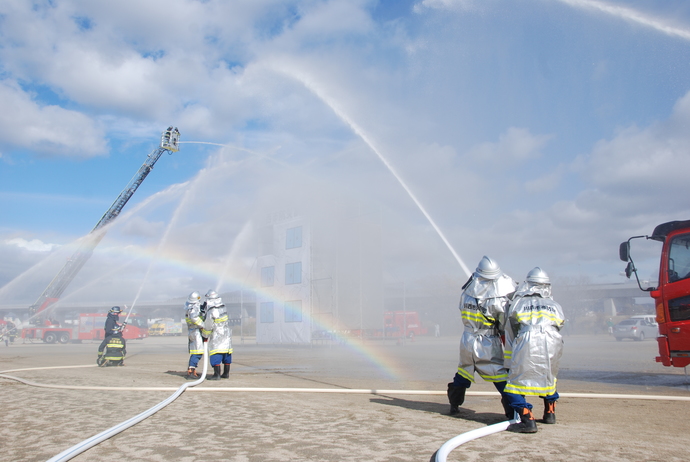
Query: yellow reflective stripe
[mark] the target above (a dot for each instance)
(206, 332)
(507, 354)
(477, 317)
(465, 374)
(494, 378)
(534, 391)
(196, 352)
(216, 352)
(538, 315)
(221, 319)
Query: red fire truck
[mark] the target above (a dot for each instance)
(672, 296)
(403, 323)
(89, 326)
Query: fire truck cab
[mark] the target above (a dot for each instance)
(672, 296)
(89, 326)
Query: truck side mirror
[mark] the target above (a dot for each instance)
(624, 251)
(629, 269)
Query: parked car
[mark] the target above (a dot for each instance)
(635, 328)
(651, 318)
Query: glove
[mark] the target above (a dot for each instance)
(205, 339)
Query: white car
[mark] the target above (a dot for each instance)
(650, 318)
(635, 328)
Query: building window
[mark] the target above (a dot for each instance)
(293, 238)
(293, 273)
(267, 275)
(266, 312)
(293, 311)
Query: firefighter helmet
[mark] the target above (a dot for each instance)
(539, 276)
(116, 310)
(211, 294)
(488, 269)
(194, 297)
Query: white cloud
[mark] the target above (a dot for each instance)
(34, 245)
(48, 129)
(545, 183)
(643, 168)
(516, 144)
(443, 5)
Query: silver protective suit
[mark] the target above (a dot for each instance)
(482, 307)
(216, 328)
(533, 340)
(194, 326)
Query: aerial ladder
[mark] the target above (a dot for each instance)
(169, 143)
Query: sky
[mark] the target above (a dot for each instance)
(538, 132)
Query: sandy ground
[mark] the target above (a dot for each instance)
(38, 423)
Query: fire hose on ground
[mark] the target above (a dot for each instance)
(439, 456)
(96, 439)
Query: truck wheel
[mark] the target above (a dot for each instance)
(641, 336)
(64, 337)
(50, 337)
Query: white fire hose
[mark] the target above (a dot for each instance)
(453, 443)
(440, 455)
(94, 440)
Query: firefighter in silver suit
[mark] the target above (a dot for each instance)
(482, 307)
(195, 324)
(533, 349)
(219, 334)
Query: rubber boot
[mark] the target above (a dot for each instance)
(507, 408)
(216, 373)
(456, 396)
(191, 373)
(527, 423)
(100, 360)
(226, 371)
(549, 412)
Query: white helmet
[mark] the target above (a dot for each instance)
(211, 294)
(538, 275)
(488, 269)
(194, 297)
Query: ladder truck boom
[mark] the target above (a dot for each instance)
(169, 143)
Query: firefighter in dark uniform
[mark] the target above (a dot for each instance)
(112, 329)
(115, 351)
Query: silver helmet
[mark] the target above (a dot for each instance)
(488, 269)
(538, 276)
(211, 294)
(193, 297)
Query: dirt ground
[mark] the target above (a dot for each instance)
(39, 423)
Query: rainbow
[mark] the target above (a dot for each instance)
(175, 257)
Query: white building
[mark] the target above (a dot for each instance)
(317, 275)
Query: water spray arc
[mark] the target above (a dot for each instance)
(631, 15)
(312, 87)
